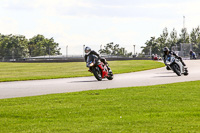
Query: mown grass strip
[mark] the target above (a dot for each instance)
(160, 108)
(35, 71)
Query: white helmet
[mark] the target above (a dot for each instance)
(87, 50)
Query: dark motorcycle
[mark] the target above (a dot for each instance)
(98, 68)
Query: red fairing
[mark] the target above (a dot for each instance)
(103, 70)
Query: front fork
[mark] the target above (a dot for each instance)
(90, 70)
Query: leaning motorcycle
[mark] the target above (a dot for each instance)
(98, 68)
(176, 65)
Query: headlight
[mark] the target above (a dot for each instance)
(91, 64)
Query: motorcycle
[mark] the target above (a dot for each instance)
(176, 65)
(98, 68)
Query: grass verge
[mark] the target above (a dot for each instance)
(35, 71)
(160, 108)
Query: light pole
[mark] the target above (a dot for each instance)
(134, 49)
(100, 49)
(123, 51)
(66, 51)
(184, 28)
(13, 56)
(83, 50)
(49, 51)
(150, 51)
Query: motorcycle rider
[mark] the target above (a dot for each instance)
(192, 55)
(167, 56)
(88, 52)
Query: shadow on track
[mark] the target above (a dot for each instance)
(168, 72)
(88, 81)
(84, 81)
(166, 76)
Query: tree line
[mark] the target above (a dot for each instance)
(18, 46)
(115, 50)
(172, 39)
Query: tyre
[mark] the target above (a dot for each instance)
(110, 76)
(176, 69)
(97, 73)
(186, 72)
(168, 68)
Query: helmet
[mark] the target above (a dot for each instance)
(87, 50)
(165, 50)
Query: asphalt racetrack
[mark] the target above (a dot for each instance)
(143, 78)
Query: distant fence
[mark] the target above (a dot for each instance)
(71, 58)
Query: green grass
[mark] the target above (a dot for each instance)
(34, 71)
(161, 109)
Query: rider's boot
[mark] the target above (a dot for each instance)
(185, 71)
(109, 70)
(185, 68)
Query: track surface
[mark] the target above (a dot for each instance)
(143, 78)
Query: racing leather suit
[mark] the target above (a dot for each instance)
(168, 57)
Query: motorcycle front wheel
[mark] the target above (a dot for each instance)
(97, 73)
(176, 69)
(110, 76)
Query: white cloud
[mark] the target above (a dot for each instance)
(96, 22)
(8, 25)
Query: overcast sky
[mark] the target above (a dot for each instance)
(94, 22)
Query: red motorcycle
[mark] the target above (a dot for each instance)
(98, 68)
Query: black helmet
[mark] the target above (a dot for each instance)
(166, 50)
(87, 50)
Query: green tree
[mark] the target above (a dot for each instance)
(13, 46)
(150, 46)
(39, 45)
(173, 38)
(111, 49)
(162, 40)
(165, 40)
(195, 39)
(17, 46)
(156, 45)
(184, 36)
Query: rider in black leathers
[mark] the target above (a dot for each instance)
(88, 52)
(167, 56)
